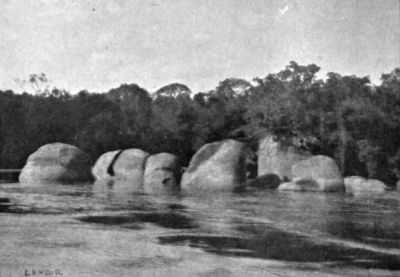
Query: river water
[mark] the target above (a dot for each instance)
(91, 230)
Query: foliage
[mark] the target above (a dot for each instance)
(354, 121)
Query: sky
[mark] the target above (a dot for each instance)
(98, 45)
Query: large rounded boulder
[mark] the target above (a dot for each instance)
(354, 184)
(57, 163)
(320, 170)
(103, 168)
(278, 156)
(126, 164)
(218, 166)
(162, 171)
(130, 164)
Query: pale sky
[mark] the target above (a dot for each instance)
(97, 45)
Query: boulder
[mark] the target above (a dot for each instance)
(218, 166)
(162, 170)
(56, 163)
(103, 168)
(267, 181)
(278, 157)
(358, 184)
(321, 169)
(130, 164)
(122, 165)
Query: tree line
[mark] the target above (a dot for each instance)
(348, 118)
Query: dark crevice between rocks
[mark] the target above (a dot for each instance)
(144, 164)
(110, 169)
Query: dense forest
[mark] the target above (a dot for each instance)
(352, 120)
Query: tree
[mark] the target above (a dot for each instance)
(38, 83)
(135, 105)
(173, 90)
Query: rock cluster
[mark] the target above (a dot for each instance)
(321, 171)
(218, 166)
(276, 157)
(287, 165)
(139, 168)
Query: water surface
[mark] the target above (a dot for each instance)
(87, 230)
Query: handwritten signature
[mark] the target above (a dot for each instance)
(35, 272)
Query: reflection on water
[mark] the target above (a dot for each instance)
(4, 204)
(124, 230)
(278, 245)
(169, 219)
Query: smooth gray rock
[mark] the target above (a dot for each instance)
(321, 169)
(130, 164)
(275, 157)
(124, 167)
(162, 171)
(360, 184)
(218, 166)
(102, 169)
(57, 163)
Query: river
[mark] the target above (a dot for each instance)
(90, 230)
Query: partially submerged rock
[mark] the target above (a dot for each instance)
(217, 166)
(123, 165)
(321, 169)
(359, 184)
(103, 168)
(130, 164)
(162, 171)
(278, 157)
(300, 185)
(57, 163)
(267, 181)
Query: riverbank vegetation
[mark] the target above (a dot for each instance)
(354, 121)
